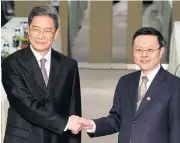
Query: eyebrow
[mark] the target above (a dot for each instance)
(151, 46)
(34, 26)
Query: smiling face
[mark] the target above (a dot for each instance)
(147, 52)
(42, 33)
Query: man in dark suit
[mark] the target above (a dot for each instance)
(42, 87)
(146, 105)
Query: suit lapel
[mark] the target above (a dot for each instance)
(35, 72)
(33, 67)
(155, 85)
(134, 92)
(54, 71)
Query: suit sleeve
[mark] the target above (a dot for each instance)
(112, 121)
(174, 115)
(75, 103)
(20, 99)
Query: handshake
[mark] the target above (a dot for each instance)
(76, 124)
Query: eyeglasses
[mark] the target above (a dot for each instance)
(46, 32)
(148, 51)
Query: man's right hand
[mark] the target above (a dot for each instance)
(74, 124)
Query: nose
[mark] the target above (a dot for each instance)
(41, 35)
(144, 53)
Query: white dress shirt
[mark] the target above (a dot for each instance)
(150, 77)
(38, 57)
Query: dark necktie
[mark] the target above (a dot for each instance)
(43, 70)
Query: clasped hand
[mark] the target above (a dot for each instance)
(77, 123)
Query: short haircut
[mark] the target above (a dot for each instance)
(149, 31)
(46, 10)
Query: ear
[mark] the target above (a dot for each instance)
(161, 51)
(28, 29)
(56, 34)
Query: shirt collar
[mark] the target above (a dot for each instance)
(39, 56)
(152, 74)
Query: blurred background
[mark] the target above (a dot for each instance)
(98, 34)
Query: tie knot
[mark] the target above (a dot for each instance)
(43, 60)
(144, 79)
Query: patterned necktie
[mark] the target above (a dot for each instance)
(43, 70)
(142, 90)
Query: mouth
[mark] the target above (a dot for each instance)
(144, 61)
(40, 43)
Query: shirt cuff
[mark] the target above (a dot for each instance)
(93, 128)
(67, 125)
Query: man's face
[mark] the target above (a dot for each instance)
(147, 52)
(42, 33)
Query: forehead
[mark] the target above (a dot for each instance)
(43, 21)
(145, 40)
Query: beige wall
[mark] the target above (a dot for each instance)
(64, 25)
(100, 32)
(176, 11)
(134, 22)
(22, 8)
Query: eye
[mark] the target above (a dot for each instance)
(150, 50)
(138, 50)
(35, 30)
(47, 31)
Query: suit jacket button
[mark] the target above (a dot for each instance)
(134, 121)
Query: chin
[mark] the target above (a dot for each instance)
(144, 67)
(40, 49)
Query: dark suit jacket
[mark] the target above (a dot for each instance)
(158, 117)
(38, 114)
